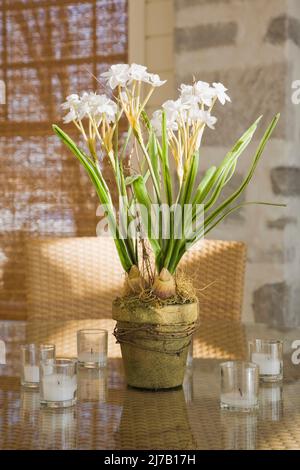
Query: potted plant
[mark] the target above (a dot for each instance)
(157, 313)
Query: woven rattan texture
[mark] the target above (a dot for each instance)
(77, 278)
(49, 49)
(110, 416)
(217, 269)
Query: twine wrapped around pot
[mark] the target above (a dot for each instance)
(154, 343)
(134, 333)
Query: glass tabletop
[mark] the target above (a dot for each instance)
(109, 415)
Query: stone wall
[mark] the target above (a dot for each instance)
(252, 46)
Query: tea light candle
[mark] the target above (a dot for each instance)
(268, 365)
(92, 357)
(32, 374)
(267, 354)
(238, 400)
(92, 348)
(239, 386)
(58, 387)
(32, 356)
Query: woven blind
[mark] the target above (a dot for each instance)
(47, 48)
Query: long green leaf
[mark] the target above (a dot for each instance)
(227, 167)
(165, 160)
(103, 194)
(153, 153)
(204, 185)
(235, 208)
(249, 176)
(184, 198)
(209, 221)
(144, 200)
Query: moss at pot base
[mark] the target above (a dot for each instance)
(154, 344)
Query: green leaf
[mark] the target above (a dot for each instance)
(235, 208)
(103, 194)
(150, 166)
(165, 160)
(249, 176)
(227, 167)
(143, 199)
(210, 221)
(184, 198)
(205, 185)
(153, 153)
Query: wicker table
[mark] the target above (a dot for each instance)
(110, 416)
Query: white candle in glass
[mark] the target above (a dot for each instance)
(58, 387)
(92, 357)
(238, 400)
(268, 365)
(31, 374)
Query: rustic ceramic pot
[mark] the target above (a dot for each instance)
(154, 343)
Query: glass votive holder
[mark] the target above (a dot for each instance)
(189, 359)
(268, 355)
(239, 386)
(58, 383)
(30, 406)
(31, 357)
(92, 348)
(92, 384)
(271, 401)
(57, 429)
(239, 430)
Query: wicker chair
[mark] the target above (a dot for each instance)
(70, 285)
(72, 281)
(217, 269)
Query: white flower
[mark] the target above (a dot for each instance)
(173, 109)
(187, 95)
(90, 105)
(117, 75)
(204, 92)
(72, 103)
(220, 93)
(207, 118)
(123, 74)
(84, 106)
(138, 72)
(156, 122)
(154, 80)
(193, 114)
(104, 106)
(200, 92)
(71, 116)
(186, 90)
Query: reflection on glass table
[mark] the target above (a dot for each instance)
(108, 415)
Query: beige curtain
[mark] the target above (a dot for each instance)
(47, 49)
